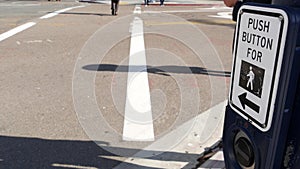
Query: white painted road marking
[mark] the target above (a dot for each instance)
(50, 15)
(71, 166)
(138, 123)
(137, 9)
(25, 26)
(225, 15)
(16, 30)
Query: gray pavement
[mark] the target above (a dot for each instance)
(38, 124)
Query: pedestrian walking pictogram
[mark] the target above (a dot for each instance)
(251, 76)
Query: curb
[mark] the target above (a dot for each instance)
(212, 157)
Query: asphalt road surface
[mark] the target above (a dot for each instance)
(81, 88)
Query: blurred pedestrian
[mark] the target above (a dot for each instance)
(162, 2)
(114, 7)
(146, 2)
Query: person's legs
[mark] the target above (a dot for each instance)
(162, 2)
(117, 6)
(114, 7)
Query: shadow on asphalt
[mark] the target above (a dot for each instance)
(36, 153)
(161, 70)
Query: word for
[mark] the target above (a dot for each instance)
(254, 54)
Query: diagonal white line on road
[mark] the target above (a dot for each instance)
(27, 25)
(16, 30)
(138, 123)
(50, 15)
(224, 15)
(71, 166)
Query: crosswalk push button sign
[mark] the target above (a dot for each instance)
(258, 51)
